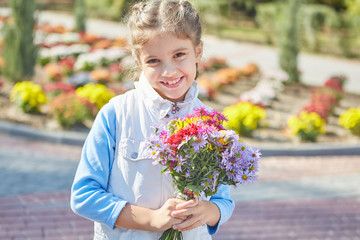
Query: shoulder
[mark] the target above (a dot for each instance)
(198, 103)
(123, 98)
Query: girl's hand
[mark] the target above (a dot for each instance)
(162, 218)
(196, 213)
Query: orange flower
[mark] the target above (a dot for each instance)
(53, 71)
(102, 44)
(120, 42)
(101, 75)
(250, 69)
(227, 75)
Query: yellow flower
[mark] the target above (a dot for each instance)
(28, 96)
(307, 125)
(244, 117)
(350, 119)
(96, 93)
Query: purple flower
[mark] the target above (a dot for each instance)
(199, 143)
(178, 168)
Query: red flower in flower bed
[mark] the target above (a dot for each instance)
(338, 95)
(56, 88)
(319, 107)
(1, 82)
(336, 83)
(325, 97)
(67, 63)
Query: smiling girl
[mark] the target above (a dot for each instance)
(116, 184)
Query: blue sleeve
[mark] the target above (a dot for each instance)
(225, 204)
(88, 194)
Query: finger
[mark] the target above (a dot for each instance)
(187, 204)
(176, 221)
(195, 225)
(190, 220)
(181, 213)
(188, 225)
(181, 216)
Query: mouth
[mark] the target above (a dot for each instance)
(174, 82)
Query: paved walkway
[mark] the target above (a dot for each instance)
(295, 198)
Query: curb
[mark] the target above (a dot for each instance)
(269, 150)
(61, 137)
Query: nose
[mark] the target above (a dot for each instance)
(169, 69)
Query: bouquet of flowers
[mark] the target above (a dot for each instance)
(200, 154)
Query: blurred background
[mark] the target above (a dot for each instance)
(286, 73)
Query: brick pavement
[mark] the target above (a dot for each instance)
(48, 216)
(295, 198)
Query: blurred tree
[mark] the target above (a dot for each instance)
(119, 8)
(110, 9)
(314, 18)
(80, 15)
(289, 40)
(19, 51)
(265, 12)
(353, 12)
(337, 5)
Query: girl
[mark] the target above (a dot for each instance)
(116, 185)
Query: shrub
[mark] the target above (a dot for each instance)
(244, 117)
(19, 51)
(95, 93)
(307, 126)
(69, 109)
(289, 45)
(350, 119)
(28, 96)
(80, 15)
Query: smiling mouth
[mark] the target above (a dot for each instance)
(174, 82)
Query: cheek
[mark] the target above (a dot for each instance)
(189, 66)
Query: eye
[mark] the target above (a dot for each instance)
(152, 61)
(178, 55)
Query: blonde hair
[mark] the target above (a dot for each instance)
(148, 19)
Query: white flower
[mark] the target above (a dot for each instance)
(78, 49)
(70, 37)
(53, 38)
(114, 53)
(58, 51)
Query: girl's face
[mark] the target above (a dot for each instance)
(169, 64)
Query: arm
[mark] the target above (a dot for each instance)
(213, 213)
(89, 197)
(226, 206)
(88, 194)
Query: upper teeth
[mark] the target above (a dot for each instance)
(173, 82)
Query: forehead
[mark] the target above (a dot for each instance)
(165, 44)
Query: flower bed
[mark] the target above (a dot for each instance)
(311, 120)
(74, 68)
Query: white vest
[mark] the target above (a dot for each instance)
(133, 177)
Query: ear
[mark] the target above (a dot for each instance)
(199, 52)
